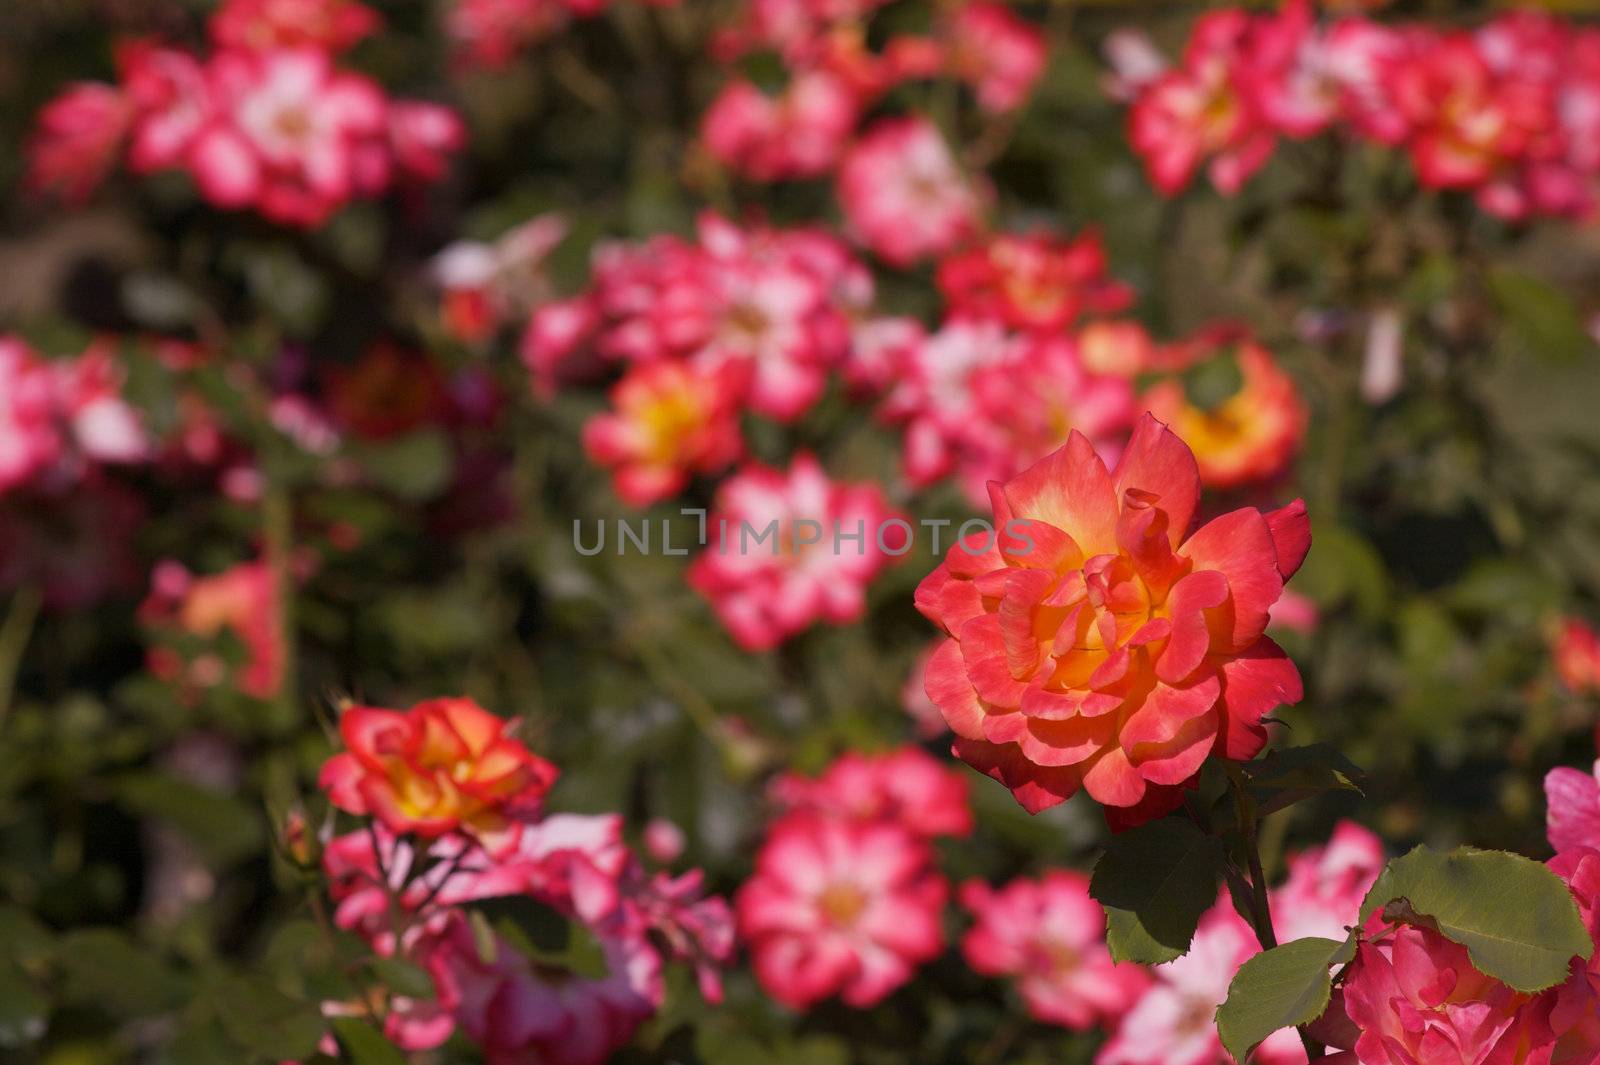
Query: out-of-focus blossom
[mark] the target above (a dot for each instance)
(982, 404)
(914, 697)
(777, 301)
(797, 134)
(1201, 112)
(1032, 282)
(260, 25)
(1135, 62)
(1174, 1022)
(1572, 808)
(663, 841)
(1295, 612)
(1251, 435)
(907, 786)
(879, 349)
(487, 284)
(1095, 643)
(903, 194)
(789, 549)
(299, 138)
(840, 907)
(1118, 348)
(669, 420)
(241, 602)
(445, 765)
(29, 440)
(76, 141)
(1322, 895)
(519, 1011)
(995, 51)
(269, 123)
(1050, 936)
(59, 415)
(388, 392)
(1576, 651)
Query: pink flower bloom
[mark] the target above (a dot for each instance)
(423, 137)
(1032, 282)
(840, 907)
(1202, 112)
(1295, 612)
(934, 397)
(299, 139)
(172, 101)
(796, 135)
(1419, 1001)
(904, 195)
(1050, 935)
(1572, 812)
(555, 333)
(89, 400)
(29, 441)
(907, 786)
(1323, 893)
(914, 697)
(1174, 1023)
(241, 603)
(879, 349)
(789, 549)
(1577, 657)
(669, 421)
(76, 141)
(260, 25)
(996, 52)
(663, 841)
(518, 1011)
(778, 301)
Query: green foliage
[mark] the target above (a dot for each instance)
(1284, 987)
(1516, 918)
(1155, 881)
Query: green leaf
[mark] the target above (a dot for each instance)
(1515, 917)
(1292, 774)
(403, 977)
(1542, 318)
(365, 1044)
(543, 934)
(105, 969)
(264, 1019)
(1155, 881)
(225, 828)
(1283, 987)
(414, 467)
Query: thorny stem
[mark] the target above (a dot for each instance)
(1260, 905)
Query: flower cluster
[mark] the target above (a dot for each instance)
(456, 803)
(60, 417)
(267, 121)
(808, 126)
(1506, 111)
(846, 899)
(1108, 648)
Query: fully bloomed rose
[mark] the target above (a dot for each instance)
(1094, 643)
(1050, 935)
(442, 766)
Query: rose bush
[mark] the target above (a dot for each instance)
(614, 384)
